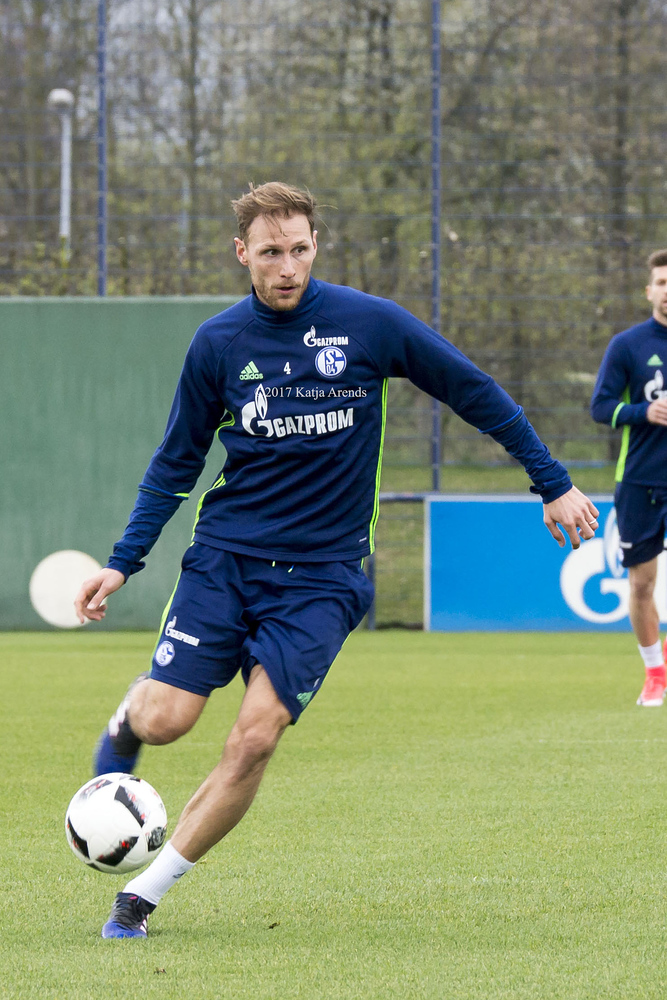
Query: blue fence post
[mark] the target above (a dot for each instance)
(101, 148)
(436, 228)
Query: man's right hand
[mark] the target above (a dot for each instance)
(657, 412)
(89, 601)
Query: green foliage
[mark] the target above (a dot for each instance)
(440, 825)
(552, 176)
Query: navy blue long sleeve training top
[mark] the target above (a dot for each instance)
(630, 378)
(298, 399)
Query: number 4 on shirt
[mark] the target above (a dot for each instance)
(287, 369)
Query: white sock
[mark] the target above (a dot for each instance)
(651, 655)
(164, 872)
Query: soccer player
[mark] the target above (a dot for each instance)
(630, 392)
(293, 380)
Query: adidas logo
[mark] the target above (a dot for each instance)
(654, 361)
(251, 372)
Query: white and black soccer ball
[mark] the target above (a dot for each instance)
(116, 823)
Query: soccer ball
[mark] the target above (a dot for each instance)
(116, 823)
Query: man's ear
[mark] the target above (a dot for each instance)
(241, 252)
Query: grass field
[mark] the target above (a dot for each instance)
(456, 816)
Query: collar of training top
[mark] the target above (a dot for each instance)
(656, 327)
(308, 305)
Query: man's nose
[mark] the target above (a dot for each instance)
(287, 269)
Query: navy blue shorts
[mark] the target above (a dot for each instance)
(229, 612)
(641, 513)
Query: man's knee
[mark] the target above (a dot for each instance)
(261, 722)
(642, 581)
(642, 593)
(156, 727)
(160, 714)
(250, 746)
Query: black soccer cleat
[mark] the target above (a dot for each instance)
(128, 917)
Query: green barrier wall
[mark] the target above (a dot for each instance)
(86, 389)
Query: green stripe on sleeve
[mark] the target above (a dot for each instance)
(625, 440)
(616, 413)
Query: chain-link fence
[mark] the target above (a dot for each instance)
(550, 142)
(552, 167)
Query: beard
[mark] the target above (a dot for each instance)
(270, 295)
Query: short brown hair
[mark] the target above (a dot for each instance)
(272, 199)
(657, 259)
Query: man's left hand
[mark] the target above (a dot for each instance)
(576, 513)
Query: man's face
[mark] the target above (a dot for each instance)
(656, 293)
(279, 253)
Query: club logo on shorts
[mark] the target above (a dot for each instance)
(173, 633)
(164, 654)
(330, 362)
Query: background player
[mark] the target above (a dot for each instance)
(630, 392)
(293, 379)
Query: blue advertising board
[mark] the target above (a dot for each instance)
(491, 565)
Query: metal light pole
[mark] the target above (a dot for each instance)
(62, 101)
(101, 147)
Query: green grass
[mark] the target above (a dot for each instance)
(487, 479)
(456, 816)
